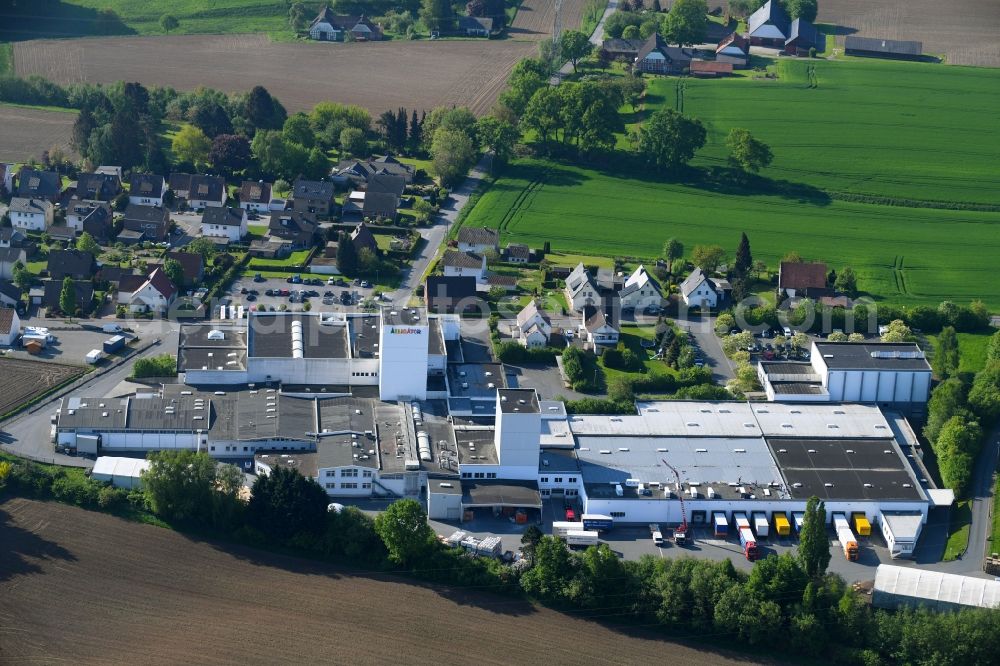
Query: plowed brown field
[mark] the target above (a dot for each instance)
(81, 587)
(28, 132)
(964, 31)
(22, 379)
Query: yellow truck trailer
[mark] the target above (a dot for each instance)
(861, 525)
(781, 525)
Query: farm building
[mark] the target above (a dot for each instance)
(896, 587)
(711, 68)
(802, 279)
(734, 49)
(120, 472)
(862, 372)
(873, 47)
(475, 26)
(329, 27)
(657, 57)
(770, 26)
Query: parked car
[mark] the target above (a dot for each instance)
(570, 514)
(258, 277)
(251, 297)
(365, 284)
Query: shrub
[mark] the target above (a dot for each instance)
(164, 365)
(512, 352)
(110, 497)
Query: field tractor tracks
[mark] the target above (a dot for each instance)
(523, 199)
(899, 275)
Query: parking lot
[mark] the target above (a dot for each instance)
(69, 346)
(323, 296)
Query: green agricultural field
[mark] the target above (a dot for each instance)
(902, 255)
(80, 17)
(887, 129)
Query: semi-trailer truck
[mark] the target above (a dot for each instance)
(597, 522)
(582, 538)
(741, 521)
(760, 524)
(846, 537)
(560, 528)
(749, 544)
(720, 525)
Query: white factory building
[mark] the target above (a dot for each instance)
(874, 373)
(387, 405)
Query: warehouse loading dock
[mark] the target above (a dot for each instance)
(502, 499)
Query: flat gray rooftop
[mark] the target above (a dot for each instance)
(345, 451)
(472, 380)
(364, 336)
(350, 415)
(845, 469)
(209, 358)
(404, 317)
(476, 447)
(787, 368)
(271, 336)
(798, 388)
(489, 494)
(435, 338)
(196, 335)
(307, 463)
(872, 356)
(518, 400)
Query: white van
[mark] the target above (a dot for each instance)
(787, 331)
(112, 328)
(654, 530)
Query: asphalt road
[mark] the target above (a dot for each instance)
(703, 329)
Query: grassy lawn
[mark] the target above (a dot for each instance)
(890, 129)
(958, 530)
(294, 259)
(995, 531)
(194, 16)
(259, 230)
(633, 336)
(571, 260)
(971, 350)
(6, 59)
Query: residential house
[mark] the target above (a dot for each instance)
(387, 183)
(224, 222)
(11, 237)
(475, 26)
(715, 32)
(451, 294)
(10, 294)
(363, 239)
(155, 293)
(145, 223)
(533, 327)
(83, 290)
(60, 232)
(98, 186)
(330, 27)
(76, 264)
(9, 256)
(112, 275)
(657, 57)
(874, 47)
(296, 229)
(370, 206)
(192, 265)
(580, 289)
(517, 253)
(770, 26)
(207, 192)
(478, 239)
(641, 291)
(255, 195)
(146, 189)
(10, 326)
(598, 328)
(109, 170)
(94, 217)
(461, 264)
(698, 290)
(802, 279)
(622, 49)
(30, 214)
(358, 172)
(313, 196)
(734, 49)
(35, 184)
(180, 184)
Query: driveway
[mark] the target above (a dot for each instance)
(596, 38)
(703, 329)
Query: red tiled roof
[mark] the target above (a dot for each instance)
(799, 275)
(161, 283)
(711, 67)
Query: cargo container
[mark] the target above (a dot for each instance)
(582, 538)
(111, 345)
(760, 525)
(862, 527)
(797, 519)
(741, 521)
(596, 521)
(781, 525)
(749, 544)
(560, 528)
(720, 525)
(93, 356)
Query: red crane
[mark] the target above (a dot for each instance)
(681, 533)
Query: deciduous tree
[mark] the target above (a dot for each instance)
(746, 152)
(686, 22)
(814, 546)
(452, 155)
(404, 531)
(284, 504)
(669, 139)
(708, 257)
(575, 45)
(86, 243)
(191, 145)
(230, 153)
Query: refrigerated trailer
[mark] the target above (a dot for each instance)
(741, 521)
(596, 521)
(797, 519)
(560, 528)
(760, 524)
(781, 525)
(719, 524)
(749, 544)
(845, 536)
(582, 538)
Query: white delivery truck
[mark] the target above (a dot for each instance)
(760, 524)
(560, 528)
(582, 538)
(93, 356)
(654, 531)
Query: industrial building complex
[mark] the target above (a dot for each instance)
(384, 405)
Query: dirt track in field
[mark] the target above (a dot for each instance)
(964, 31)
(84, 587)
(535, 18)
(27, 132)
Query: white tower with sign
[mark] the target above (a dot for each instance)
(402, 347)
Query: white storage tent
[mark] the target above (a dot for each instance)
(121, 472)
(910, 586)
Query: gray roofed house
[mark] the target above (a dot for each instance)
(206, 191)
(475, 26)
(768, 26)
(444, 294)
(32, 183)
(53, 290)
(312, 196)
(599, 326)
(146, 189)
(478, 239)
(623, 48)
(150, 222)
(223, 215)
(255, 192)
(296, 227)
(76, 264)
(387, 183)
(657, 57)
(370, 206)
(10, 293)
(357, 172)
(98, 186)
(517, 253)
(698, 290)
(462, 260)
(330, 27)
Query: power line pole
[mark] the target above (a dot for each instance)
(557, 22)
